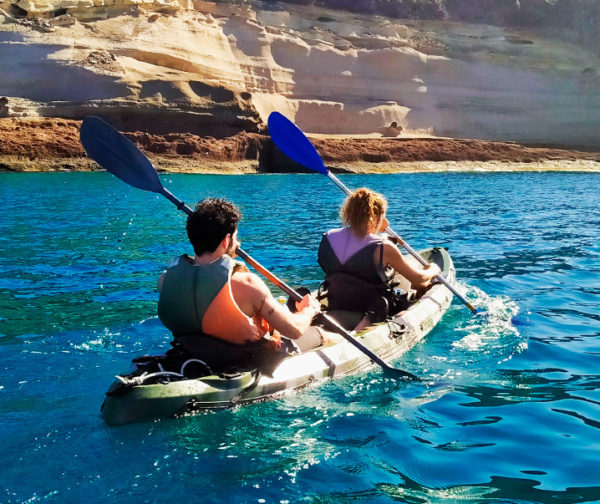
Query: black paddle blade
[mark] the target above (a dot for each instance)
(392, 372)
(115, 153)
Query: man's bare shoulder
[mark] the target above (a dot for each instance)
(250, 292)
(248, 280)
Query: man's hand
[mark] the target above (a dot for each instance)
(308, 302)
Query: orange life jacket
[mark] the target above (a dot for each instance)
(197, 299)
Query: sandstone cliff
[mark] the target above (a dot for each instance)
(218, 68)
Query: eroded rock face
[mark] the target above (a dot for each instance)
(91, 8)
(215, 69)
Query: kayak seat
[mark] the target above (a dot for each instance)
(176, 360)
(347, 292)
(224, 357)
(211, 357)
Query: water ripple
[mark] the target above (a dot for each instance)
(505, 413)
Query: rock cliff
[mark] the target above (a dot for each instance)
(219, 68)
(46, 144)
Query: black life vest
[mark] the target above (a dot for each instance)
(341, 251)
(354, 281)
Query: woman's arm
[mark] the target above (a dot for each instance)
(417, 275)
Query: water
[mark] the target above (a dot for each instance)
(513, 417)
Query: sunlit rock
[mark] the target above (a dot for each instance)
(222, 67)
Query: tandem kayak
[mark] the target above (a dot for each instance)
(140, 396)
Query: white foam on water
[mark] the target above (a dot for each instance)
(103, 341)
(132, 338)
(493, 333)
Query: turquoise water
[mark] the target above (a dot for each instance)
(514, 414)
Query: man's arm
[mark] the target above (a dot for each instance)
(255, 299)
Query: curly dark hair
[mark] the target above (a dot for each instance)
(213, 219)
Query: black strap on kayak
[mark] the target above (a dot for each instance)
(194, 405)
(240, 395)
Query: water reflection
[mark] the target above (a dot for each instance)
(498, 490)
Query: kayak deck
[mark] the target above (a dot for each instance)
(389, 340)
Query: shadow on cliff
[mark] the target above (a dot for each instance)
(272, 160)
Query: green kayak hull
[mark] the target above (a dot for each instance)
(389, 340)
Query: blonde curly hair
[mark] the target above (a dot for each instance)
(361, 209)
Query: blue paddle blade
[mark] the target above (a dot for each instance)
(294, 144)
(517, 320)
(116, 154)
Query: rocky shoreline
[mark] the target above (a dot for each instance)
(50, 144)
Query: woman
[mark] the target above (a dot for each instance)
(360, 264)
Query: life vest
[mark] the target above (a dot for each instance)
(354, 281)
(197, 300)
(342, 251)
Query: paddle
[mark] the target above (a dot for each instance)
(295, 145)
(116, 154)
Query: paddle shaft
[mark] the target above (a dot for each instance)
(409, 249)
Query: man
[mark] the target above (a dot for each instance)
(219, 311)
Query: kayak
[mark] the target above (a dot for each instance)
(140, 397)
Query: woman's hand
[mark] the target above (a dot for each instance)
(384, 224)
(433, 269)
